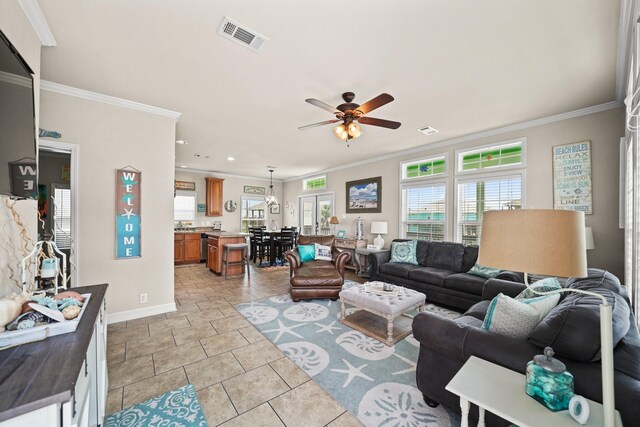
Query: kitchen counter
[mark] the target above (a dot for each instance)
(225, 234)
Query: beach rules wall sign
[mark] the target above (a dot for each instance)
(128, 213)
(572, 177)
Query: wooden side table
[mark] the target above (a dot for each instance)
(501, 391)
(361, 260)
(350, 245)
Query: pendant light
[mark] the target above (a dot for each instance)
(270, 199)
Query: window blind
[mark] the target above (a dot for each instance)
(184, 207)
(480, 195)
(424, 212)
(62, 217)
(252, 214)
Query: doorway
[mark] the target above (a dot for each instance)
(315, 213)
(57, 201)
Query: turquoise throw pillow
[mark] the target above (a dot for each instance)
(544, 285)
(482, 271)
(404, 252)
(307, 252)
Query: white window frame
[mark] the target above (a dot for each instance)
(470, 150)
(426, 181)
(195, 206)
(247, 197)
(306, 180)
(54, 187)
(484, 176)
(404, 163)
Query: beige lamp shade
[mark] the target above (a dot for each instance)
(334, 220)
(538, 241)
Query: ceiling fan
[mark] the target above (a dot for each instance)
(349, 113)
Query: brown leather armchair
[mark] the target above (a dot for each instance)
(317, 278)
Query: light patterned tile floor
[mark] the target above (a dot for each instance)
(207, 343)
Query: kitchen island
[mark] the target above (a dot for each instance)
(215, 248)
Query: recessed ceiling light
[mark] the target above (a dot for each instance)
(181, 142)
(231, 158)
(182, 166)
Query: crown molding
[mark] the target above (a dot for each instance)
(229, 175)
(107, 99)
(14, 79)
(38, 22)
(471, 137)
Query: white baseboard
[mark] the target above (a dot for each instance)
(121, 316)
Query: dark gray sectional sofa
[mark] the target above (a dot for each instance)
(441, 274)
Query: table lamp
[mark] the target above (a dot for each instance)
(552, 243)
(379, 227)
(333, 221)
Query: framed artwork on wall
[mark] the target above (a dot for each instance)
(364, 195)
(275, 209)
(572, 177)
(251, 189)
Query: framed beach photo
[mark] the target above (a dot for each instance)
(364, 195)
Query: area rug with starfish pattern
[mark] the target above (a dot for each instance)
(376, 383)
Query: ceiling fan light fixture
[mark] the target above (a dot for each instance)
(340, 130)
(354, 130)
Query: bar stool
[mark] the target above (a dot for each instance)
(228, 250)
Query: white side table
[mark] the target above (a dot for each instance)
(501, 391)
(361, 260)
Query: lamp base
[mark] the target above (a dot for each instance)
(379, 242)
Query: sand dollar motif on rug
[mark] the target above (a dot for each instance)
(257, 313)
(394, 404)
(306, 312)
(310, 357)
(364, 347)
(281, 299)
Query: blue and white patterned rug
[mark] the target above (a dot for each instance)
(175, 408)
(374, 382)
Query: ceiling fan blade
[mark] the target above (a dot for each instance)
(377, 102)
(379, 122)
(326, 122)
(323, 105)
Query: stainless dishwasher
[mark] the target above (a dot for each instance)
(204, 250)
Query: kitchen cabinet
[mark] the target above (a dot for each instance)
(350, 245)
(214, 196)
(186, 248)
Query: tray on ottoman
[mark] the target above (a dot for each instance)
(383, 314)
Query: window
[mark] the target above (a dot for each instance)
(184, 206)
(479, 195)
(423, 168)
(491, 157)
(424, 212)
(253, 213)
(315, 183)
(61, 216)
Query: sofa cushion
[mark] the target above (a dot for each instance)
(307, 252)
(478, 310)
(486, 272)
(465, 282)
(433, 276)
(397, 269)
(323, 252)
(446, 256)
(545, 285)
(469, 258)
(517, 318)
(598, 278)
(404, 252)
(572, 328)
(422, 249)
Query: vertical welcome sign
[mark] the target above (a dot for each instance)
(128, 213)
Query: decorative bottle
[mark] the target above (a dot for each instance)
(549, 382)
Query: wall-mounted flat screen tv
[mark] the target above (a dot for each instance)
(18, 163)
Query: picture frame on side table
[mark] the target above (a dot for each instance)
(364, 195)
(341, 234)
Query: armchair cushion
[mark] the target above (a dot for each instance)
(307, 252)
(323, 252)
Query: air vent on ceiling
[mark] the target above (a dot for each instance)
(428, 130)
(240, 34)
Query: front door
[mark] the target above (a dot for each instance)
(315, 213)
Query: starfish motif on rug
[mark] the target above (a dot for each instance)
(409, 362)
(327, 328)
(352, 372)
(282, 329)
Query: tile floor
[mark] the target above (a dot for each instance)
(242, 379)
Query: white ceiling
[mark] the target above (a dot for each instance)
(460, 66)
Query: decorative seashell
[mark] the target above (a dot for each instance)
(69, 294)
(71, 312)
(9, 310)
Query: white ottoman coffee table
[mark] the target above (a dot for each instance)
(382, 314)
